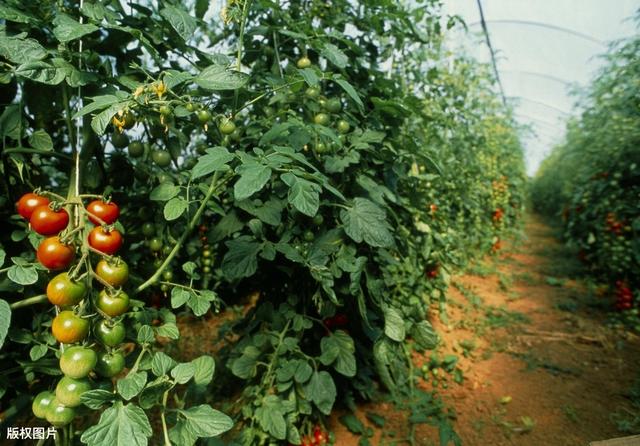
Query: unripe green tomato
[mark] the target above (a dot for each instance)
(167, 275)
(207, 261)
(303, 62)
(157, 263)
(109, 333)
(190, 106)
(110, 364)
(58, 414)
(226, 126)
(41, 402)
(129, 119)
(308, 236)
(77, 362)
(119, 140)
(164, 288)
(322, 102)
(312, 92)
(321, 147)
(166, 250)
(334, 105)
(68, 390)
(204, 116)
(136, 149)
(113, 305)
(236, 135)
(162, 158)
(206, 253)
(115, 273)
(165, 110)
(206, 269)
(318, 219)
(343, 126)
(155, 244)
(321, 119)
(148, 229)
(269, 111)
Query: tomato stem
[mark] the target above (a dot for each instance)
(40, 298)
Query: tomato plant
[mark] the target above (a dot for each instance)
(266, 155)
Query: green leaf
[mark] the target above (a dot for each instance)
(3, 255)
(245, 366)
(182, 373)
(179, 296)
(253, 178)
(216, 159)
(204, 421)
(424, 334)
(394, 325)
(42, 72)
(270, 415)
(241, 260)
(174, 208)
(204, 368)
(334, 55)
(351, 422)
(168, 330)
(98, 103)
(5, 320)
(96, 398)
(218, 77)
(37, 351)
(41, 140)
(21, 51)
(322, 391)
(100, 121)
(180, 20)
(21, 272)
(303, 372)
(164, 192)
(199, 303)
(366, 221)
(303, 194)
(161, 364)
(339, 350)
(145, 335)
(131, 385)
(202, 6)
(119, 425)
(353, 94)
(309, 76)
(68, 29)
(14, 15)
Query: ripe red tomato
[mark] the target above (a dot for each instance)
(107, 242)
(28, 203)
(113, 305)
(63, 291)
(53, 254)
(46, 221)
(319, 436)
(107, 212)
(69, 328)
(114, 273)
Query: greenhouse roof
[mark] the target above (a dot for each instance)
(543, 50)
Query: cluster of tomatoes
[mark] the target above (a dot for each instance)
(70, 292)
(614, 226)
(433, 271)
(497, 215)
(318, 438)
(497, 245)
(624, 296)
(340, 320)
(206, 252)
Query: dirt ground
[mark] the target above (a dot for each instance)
(540, 365)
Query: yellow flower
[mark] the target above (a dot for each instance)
(160, 88)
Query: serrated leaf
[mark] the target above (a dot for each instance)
(5, 320)
(23, 274)
(119, 425)
(174, 208)
(164, 192)
(204, 421)
(131, 385)
(245, 366)
(168, 330)
(216, 159)
(180, 20)
(252, 179)
(14, 15)
(321, 389)
(241, 260)
(179, 297)
(21, 51)
(67, 29)
(339, 350)
(199, 304)
(145, 335)
(270, 415)
(309, 76)
(366, 221)
(303, 194)
(37, 352)
(96, 398)
(41, 72)
(218, 78)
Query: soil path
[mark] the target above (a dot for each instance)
(540, 365)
